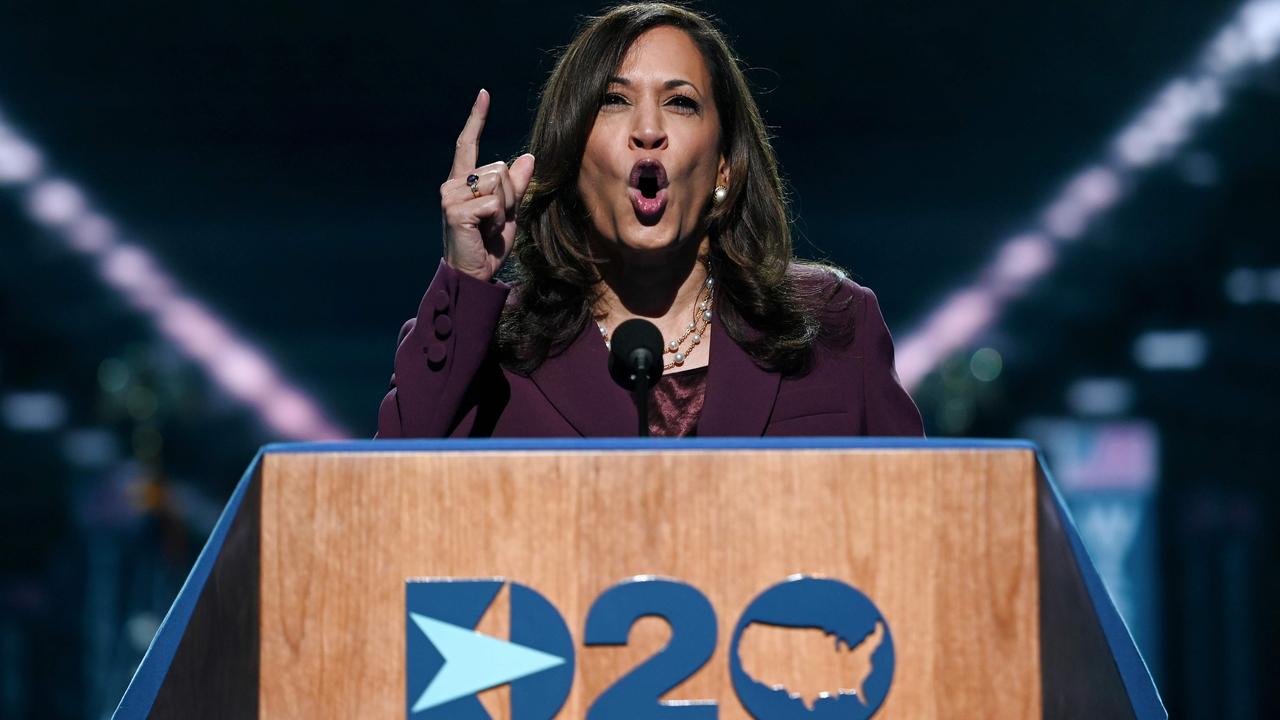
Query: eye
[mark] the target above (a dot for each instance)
(686, 102)
(613, 99)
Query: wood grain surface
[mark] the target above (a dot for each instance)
(944, 543)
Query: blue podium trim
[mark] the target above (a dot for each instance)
(1134, 673)
(642, 444)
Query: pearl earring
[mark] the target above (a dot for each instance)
(721, 193)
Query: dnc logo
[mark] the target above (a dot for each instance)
(448, 661)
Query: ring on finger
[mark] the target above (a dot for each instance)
(473, 181)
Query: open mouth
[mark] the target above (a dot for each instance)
(648, 176)
(649, 186)
(648, 190)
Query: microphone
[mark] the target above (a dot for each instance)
(635, 363)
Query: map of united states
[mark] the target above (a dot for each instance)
(808, 663)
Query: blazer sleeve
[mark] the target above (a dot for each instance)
(439, 353)
(888, 409)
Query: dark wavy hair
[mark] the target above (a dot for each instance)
(772, 305)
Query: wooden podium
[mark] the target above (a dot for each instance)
(314, 597)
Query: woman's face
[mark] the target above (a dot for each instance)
(653, 157)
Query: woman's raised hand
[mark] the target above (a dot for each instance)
(480, 224)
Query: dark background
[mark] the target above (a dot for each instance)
(280, 161)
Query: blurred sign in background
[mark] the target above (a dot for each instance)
(213, 220)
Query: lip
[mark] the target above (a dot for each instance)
(648, 166)
(648, 210)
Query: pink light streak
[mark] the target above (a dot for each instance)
(1157, 132)
(233, 364)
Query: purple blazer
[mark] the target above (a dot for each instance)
(447, 383)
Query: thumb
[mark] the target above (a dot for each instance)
(521, 173)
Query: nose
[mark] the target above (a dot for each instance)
(648, 132)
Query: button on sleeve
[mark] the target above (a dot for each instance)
(436, 354)
(440, 301)
(443, 326)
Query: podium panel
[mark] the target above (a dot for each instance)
(640, 579)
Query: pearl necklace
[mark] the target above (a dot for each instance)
(693, 332)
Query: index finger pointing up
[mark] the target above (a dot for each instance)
(468, 148)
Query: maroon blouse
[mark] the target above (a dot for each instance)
(676, 404)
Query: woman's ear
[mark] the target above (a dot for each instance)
(722, 175)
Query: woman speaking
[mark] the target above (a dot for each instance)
(650, 191)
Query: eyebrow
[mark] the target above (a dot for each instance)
(668, 85)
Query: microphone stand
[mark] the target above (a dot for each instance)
(641, 393)
(635, 363)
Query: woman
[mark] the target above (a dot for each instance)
(650, 191)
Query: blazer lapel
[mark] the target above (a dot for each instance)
(577, 383)
(740, 394)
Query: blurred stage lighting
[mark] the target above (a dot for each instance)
(1271, 285)
(1100, 397)
(1171, 349)
(1244, 286)
(1158, 132)
(986, 364)
(233, 364)
(55, 202)
(33, 411)
(90, 447)
(19, 160)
